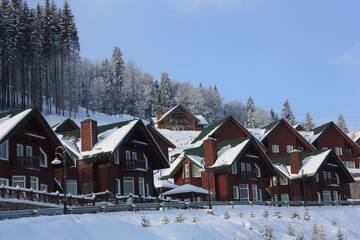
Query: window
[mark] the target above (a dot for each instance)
(117, 156)
(43, 158)
(274, 181)
(259, 195)
(243, 167)
(254, 192)
(338, 151)
(128, 155)
(337, 178)
(28, 151)
(195, 171)
(141, 186)
(43, 187)
(18, 181)
(283, 181)
(186, 171)
(234, 168)
(284, 197)
(349, 164)
(324, 175)
(34, 183)
(236, 192)
(317, 177)
(326, 196)
(300, 148)
(248, 167)
(147, 189)
(71, 186)
(4, 182)
(146, 161)
(329, 175)
(289, 148)
(4, 151)
(257, 170)
(128, 185)
(347, 152)
(117, 186)
(244, 192)
(275, 148)
(134, 155)
(19, 150)
(336, 196)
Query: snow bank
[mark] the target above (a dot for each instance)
(244, 222)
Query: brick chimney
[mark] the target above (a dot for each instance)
(88, 134)
(210, 151)
(158, 112)
(295, 161)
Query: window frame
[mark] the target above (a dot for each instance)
(141, 186)
(194, 167)
(6, 180)
(283, 181)
(6, 144)
(128, 155)
(289, 148)
(42, 152)
(74, 182)
(116, 156)
(15, 176)
(254, 189)
(257, 170)
(287, 198)
(275, 148)
(323, 195)
(18, 147)
(43, 186)
(28, 147)
(241, 187)
(146, 159)
(234, 168)
(129, 180)
(134, 156)
(236, 195)
(36, 181)
(117, 187)
(186, 171)
(338, 151)
(243, 167)
(335, 195)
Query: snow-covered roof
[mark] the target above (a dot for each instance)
(179, 138)
(202, 120)
(10, 121)
(107, 140)
(158, 183)
(258, 133)
(186, 188)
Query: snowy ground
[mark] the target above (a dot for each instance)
(244, 222)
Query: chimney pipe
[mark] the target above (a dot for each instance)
(88, 134)
(295, 161)
(210, 151)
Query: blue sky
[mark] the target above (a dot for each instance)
(305, 51)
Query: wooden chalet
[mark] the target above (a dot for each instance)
(119, 158)
(27, 146)
(178, 118)
(310, 177)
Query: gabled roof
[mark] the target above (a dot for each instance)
(67, 122)
(211, 129)
(160, 135)
(311, 163)
(175, 108)
(313, 135)
(109, 138)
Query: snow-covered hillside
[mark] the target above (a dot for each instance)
(242, 222)
(101, 118)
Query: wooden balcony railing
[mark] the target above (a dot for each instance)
(135, 164)
(27, 162)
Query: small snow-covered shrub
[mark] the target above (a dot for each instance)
(164, 220)
(307, 215)
(179, 218)
(318, 233)
(265, 213)
(300, 236)
(267, 233)
(291, 230)
(194, 219)
(295, 215)
(340, 235)
(277, 214)
(226, 215)
(145, 222)
(241, 215)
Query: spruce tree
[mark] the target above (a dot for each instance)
(250, 108)
(274, 116)
(341, 123)
(118, 69)
(308, 124)
(165, 90)
(288, 114)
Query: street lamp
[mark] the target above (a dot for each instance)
(207, 169)
(61, 152)
(303, 180)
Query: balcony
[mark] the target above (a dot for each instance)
(135, 164)
(27, 162)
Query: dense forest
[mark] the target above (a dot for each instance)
(40, 67)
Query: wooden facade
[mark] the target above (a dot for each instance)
(30, 147)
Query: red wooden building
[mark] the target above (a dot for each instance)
(178, 118)
(27, 146)
(119, 157)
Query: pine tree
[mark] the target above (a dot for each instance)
(341, 123)
(119, 71)
(309, 124)
(287, 113)
(250, 108)
(165, 90)
(274, 116)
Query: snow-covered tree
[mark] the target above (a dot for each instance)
(287, 113)
(235, 109)
(341, 123)
(308, 124)
(274, 116)
(165, 90)
(250, 108)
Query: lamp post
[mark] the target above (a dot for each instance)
(303, 182)
(207, 169)
(60, 151)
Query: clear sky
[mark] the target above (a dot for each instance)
(305, 51)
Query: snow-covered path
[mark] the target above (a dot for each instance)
(244, 223)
